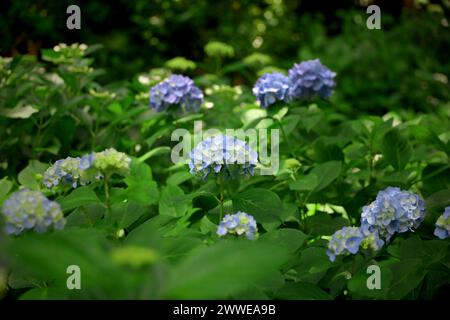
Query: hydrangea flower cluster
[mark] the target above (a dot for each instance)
(272, 87)
(442, 230)
(349, 240)
(31, 210)
(393, 211)
(346, 240)
(238, 223)
(71, 171)
(176, 90)
(222, 153)
(87, 169)
(311, 78)
(111, 160)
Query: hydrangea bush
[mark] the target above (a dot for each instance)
(348, 190)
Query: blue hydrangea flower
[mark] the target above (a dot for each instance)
(238, 223)
(176, 90)
(222, 153)
(346, 240)
(272, 87)
(311, 78)
(68, 171)
(371, 240)
(442, 230)
(393, 211)
(31, 210)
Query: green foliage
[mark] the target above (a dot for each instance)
(151, 232)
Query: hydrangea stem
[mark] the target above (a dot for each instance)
(106, 188)
(221, 187)
(285, 137)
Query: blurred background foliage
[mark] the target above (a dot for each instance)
(404, 65)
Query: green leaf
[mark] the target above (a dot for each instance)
(324, 224)
(46, 257)
(313, 260)
(406, 276)
(262, 204)
(358, 283)
(326, 173)
(77, 198)
(224, 269)
(5, 187)
(291, 239)
(305, 183)
(173, 202)
(439, 199)
(122, 215)
(179, 177)
(31, 175)
(115, 108)
(396, 149)
(141, 187)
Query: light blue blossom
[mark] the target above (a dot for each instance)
(31, 210)
(442, 230)
(238, 224)
(68, 171)
(176, 90)
(222, 153)
(272, 87)
(311, 78)
(349, 240)
(346, 240)
(393, 211)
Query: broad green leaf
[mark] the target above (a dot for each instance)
(262, 204)
(306, 183)
(326, 173)
(358, 283)
(313, 260)
(141, 187)
(396, 149)
(291, 239)
(439, 199)
(324, 224)
(5, 187)
(31, 175)
(173, 202)
(122, 215)
(77, 198)
(179, 177)
(224, 269)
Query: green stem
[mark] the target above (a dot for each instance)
(285, 137)
(106, 188)
(221, 187)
